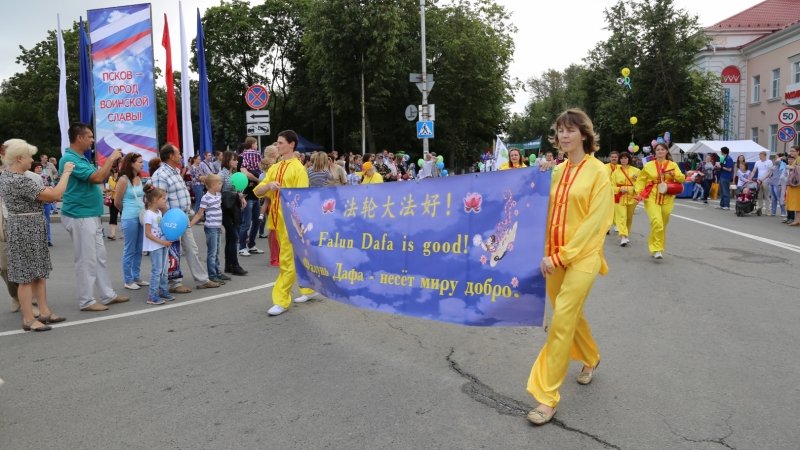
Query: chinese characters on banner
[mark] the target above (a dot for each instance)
(462, 249)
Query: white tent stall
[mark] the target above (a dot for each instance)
(746, 147)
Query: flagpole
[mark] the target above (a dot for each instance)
(186, 99)
(63, 115)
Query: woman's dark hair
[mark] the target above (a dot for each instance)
(576, 118)
(126, 166)
(521, 161)
(35, 165)
(665, 147)
(227, 157)
(625, 155)
(741, 163)
(153, 165)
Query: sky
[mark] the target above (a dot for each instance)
(541, 42)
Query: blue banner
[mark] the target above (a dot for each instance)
(462, 249)
(123, 80)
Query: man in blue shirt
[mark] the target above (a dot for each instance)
(725, 179)
(81, 211)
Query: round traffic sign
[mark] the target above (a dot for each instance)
(788, 116)
(257, 96)
(786, 134)
(411, 113)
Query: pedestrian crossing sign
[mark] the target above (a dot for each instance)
(425, 129)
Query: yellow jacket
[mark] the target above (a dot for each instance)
(612, 168)
(624, 177)
(374, 179)
(652, 175)
(581, 211)
(289, 173)
(507, 165)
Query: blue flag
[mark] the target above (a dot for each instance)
(205, 112)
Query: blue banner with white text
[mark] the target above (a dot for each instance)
(462, 249)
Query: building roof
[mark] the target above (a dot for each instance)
(769, 15)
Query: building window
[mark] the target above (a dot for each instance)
(754, 134)
(773, 138)
(796, 71)
(756, 96)
(796, 133)
(776, 83)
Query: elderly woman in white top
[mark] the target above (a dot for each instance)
(28, 255)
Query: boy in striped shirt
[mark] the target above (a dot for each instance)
(211, 208)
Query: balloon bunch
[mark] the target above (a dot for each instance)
(625, 80)
(662, 140)
(440, 165)
(633, 148)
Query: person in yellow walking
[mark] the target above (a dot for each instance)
(371, 176)
(612, 165)
(658, 183)
(581, 209)
(514, 160)
(622, 180)
(288, 173)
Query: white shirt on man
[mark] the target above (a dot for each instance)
(761, 169)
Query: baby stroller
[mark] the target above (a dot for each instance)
(745, 199)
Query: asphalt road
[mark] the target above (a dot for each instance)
(699, 352)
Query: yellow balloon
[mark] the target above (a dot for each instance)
(625, 71)
(635, 149)
(634, 120)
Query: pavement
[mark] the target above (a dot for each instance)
(698, 353)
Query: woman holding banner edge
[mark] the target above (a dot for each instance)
(581, 210)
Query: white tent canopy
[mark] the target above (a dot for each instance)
(746, 147)
(676, 148)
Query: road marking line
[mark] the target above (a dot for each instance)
(688, 206)
(145, 311)
(783, 245)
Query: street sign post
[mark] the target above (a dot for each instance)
(257, 96)
(425, 129)
(788, 116)
(258, 129)
(411, 113)
(427, 112)
(786, 134)
(256, 116)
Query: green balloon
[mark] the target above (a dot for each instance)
(420, 162)
(440, 158)
(239, 181)
(532, 159)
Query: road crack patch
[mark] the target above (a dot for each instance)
(402, 330)
(480, 392)
(719, 441)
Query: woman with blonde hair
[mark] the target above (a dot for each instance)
(28, 255)
(580, 212)
(318, 173)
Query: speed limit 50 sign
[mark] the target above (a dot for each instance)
(788, 116)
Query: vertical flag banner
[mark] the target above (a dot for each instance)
(187, 134)
(123, 80)
(462, 249)
(172, 117)
(63, 116)
(500, 153)
(203, 105)
(84, 76)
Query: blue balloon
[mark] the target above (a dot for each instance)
(174, 224)
(440, 165)
(444, 172)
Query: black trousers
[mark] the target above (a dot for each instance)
(230, 222)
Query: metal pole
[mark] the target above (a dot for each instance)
(363, 112)
(333, 140)
(424, 73)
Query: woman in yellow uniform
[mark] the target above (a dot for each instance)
(371, 176)
(622, 180)
(658, 205)
(580, 212)
(288, 173)
(514, 160)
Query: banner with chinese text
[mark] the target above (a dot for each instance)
(124, 86)
(462, 249)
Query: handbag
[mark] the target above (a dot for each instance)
(107, 199)
(229, 199)
(793, 179)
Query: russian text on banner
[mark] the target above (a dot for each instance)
(462, 249)
(123, 80)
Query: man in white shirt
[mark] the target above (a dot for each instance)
(760, 173)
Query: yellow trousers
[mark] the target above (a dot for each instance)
(282, 290)
(623, 217)
(569, 335)
(659, 218)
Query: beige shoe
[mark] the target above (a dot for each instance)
(585, 378)
(538, 417)
(95, 307)
(180, 289)
(15, 306)
(118, 299)
(208, 284)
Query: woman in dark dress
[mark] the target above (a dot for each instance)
(26, 232)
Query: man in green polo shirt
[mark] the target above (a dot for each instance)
(81, 211)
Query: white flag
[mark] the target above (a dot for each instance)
(500, 153)
(186, 103)
(63, 116)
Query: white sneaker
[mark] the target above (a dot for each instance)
(305, 298)
(624, 241)
(658, 255)
(1, 382)
(132, 286)
(276, 310)
(142, 283)
(255, 250)
(244, 252)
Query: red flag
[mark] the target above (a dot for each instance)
(172, 117)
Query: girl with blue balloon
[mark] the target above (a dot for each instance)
(157, 242)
